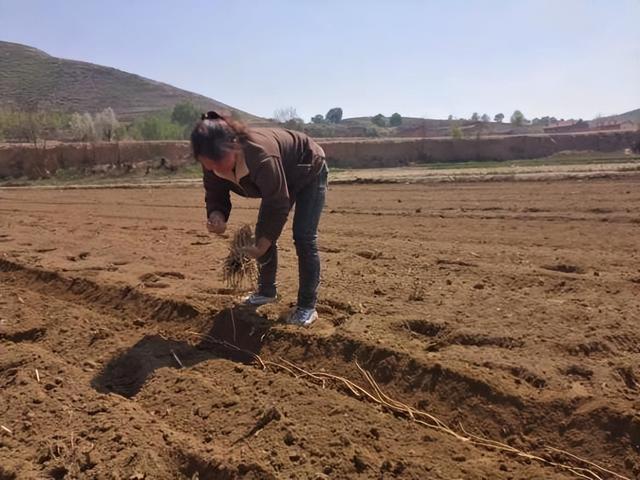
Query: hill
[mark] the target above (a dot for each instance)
(631, 116)
(31, 78)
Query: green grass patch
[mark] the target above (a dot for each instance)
(535, 162)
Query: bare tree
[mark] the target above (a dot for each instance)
(82, 127)
(518, 118)
(105, 124)
(286, 114)
(37, 126)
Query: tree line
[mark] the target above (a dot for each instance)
(289, 118)
(39, 126)
(517, 118)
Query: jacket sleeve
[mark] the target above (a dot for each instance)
(216, 197)
(274, 209)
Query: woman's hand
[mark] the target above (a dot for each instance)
(259, 249)
(216, 223)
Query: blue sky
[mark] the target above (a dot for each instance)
(565, 58)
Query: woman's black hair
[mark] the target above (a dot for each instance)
(214, 134)
(211, 115)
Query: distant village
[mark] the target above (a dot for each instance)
(571, 126)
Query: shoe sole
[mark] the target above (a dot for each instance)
(307, 324)
(259, 304)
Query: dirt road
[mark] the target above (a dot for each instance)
(510, 311)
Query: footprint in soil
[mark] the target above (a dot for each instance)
(442, 335)
(29, 335)
(233, 334)
(482, 340)
(177, 275)
(325, 249)
(425, 327)
(519, 373)
(335, 317)
(348, 308)
(589, 348)
(453, 263)
(369, 254)
(629, 377)
(153, 280)
(627, 342)
(564, 268)
(577, 370)
(193, 465)
(80, 256)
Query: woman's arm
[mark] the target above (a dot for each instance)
(216, 197)
(274, 209)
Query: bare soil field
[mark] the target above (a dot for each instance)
(484, 330)
(476, 172)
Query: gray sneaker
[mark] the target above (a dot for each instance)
(256, 299)
(303, 317)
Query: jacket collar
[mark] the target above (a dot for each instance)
(240, 170)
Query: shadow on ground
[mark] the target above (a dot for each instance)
(240, 327)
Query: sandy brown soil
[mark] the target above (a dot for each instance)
(512, 309)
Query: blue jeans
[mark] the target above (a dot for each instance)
(308, 208)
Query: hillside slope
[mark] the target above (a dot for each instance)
(630, 116)
(30, 78)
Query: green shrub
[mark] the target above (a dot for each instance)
(395, 120)
(185, 114)
(156, 127)
(379, 120)
(372, 132)
(334, 115)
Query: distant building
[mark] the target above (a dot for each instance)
(606, 126)
(568, 127)
(610, 125)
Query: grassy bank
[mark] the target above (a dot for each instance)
(193, 171)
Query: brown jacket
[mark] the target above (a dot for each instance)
(280, 163)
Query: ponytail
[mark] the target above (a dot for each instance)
(215, 133)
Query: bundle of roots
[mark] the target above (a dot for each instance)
(238, 267)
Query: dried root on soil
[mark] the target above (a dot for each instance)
(575, 465)
(238, 267)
